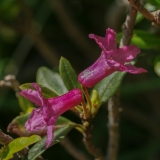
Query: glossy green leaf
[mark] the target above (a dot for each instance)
(68, 74)
(18, 144)
(143, 39)
(51, 80)
(65, 126)
(47, 93)
(108, 86)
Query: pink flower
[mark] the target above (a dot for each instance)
(110, 60)
(49, 109)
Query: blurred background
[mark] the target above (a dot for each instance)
(35, 33)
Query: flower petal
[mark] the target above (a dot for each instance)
(96, 72)
(125, 68)
(134, 70)
(125, 54)
(61, 104)
(108, 42)
(36, 121)
(50, 136)
(32, 95)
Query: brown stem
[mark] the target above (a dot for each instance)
(113, 103)
(153, 17)
(10, 81)
(87, 98)
(87, 139)
(85, 111)
(128, 26)
(139, 7)
(5, 139)
(113, 126)
(73, 150)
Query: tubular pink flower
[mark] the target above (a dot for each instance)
(49, 109)
(110, 60)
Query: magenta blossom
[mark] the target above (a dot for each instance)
(110, 60)
(49, 109)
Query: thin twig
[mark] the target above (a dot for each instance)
(113, 103)
(153, 17)
(87, 139)
(73, 150)
(113, 126)
(128, 26)
(10, 81)
(4, 138)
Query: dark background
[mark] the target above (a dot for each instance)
(37, 33)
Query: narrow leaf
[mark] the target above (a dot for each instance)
(108, 86)
(18, 144)
(68, 74)
(51, 80)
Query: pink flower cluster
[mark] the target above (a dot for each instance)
(49, 109)
(110, 60)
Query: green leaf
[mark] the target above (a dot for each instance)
(108, 86)
(19, 123)
(47, 93)
(143, 39)
(59, 134)
(0, 153)
(18, 144)
(25, 104)
(68, 74)
(95, 102)
(154, 2)
(51, 80)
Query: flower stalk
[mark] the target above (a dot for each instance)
(87, 139)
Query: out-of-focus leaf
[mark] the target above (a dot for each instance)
(154, 2)
(108, 86)
(0, 153)
(157, 68)
(18, 144)
(143, 39)
(64, 126)
(47, 93)
(3, 62)
(9, 9)
(51, 80)
(144, 86)
(68, 74)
